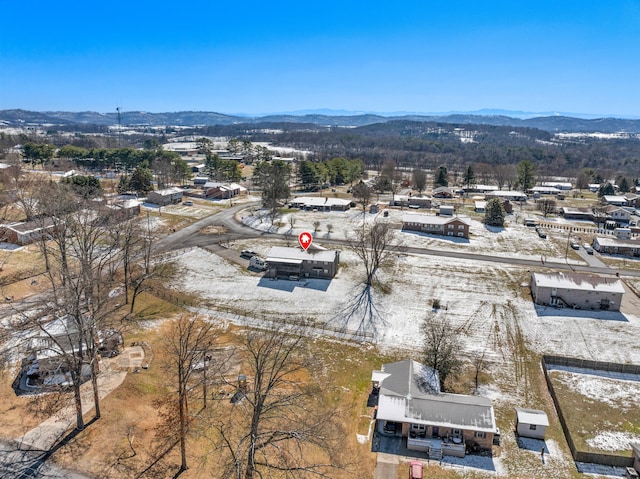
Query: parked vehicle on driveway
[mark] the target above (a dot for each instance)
(575, 245)
(542, 233)
(587, 247)
(415, 470)
(257, 262)
(247, 253)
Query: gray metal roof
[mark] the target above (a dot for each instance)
(409, 377)
(578, 282)
(407, 394)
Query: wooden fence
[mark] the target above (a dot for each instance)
(584, 456)
(319, 327)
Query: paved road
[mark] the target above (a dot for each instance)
(190, 236)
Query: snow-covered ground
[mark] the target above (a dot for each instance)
(488, 300)
(515, 240)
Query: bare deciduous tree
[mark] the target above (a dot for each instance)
(362, 192)
(282, 424)
(70, 317)
(441, 346)
(371, 244)
(479, 364)
(187, 345)
(506, 175)
(547, 206)
(419, 177)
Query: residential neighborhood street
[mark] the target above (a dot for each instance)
(190, 236)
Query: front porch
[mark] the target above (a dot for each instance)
(419, 439)
(437, 447)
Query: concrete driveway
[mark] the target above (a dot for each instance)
(387, 466)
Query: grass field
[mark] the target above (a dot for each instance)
(601, 413)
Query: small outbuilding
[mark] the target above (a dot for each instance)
(531, 423)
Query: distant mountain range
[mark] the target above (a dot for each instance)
(339, 118)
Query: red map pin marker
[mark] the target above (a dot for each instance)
(305, 239)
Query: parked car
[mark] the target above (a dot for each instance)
(188, 203)
(256, 262)
(390, 427)
(415, 470)
(587, 247)
(247, 253)
(542, 233)
(575, 245)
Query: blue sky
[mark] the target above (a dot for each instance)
(260, 56)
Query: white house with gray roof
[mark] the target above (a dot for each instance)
(320, 203)
(410, 405)
(577, 290)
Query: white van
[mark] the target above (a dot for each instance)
(257, 262)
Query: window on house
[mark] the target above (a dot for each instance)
(456, 432)
(460, 227)
(450, 227)
(480, 434)
(532, 427)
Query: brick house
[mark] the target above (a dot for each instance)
(438, 225)
(410, 405)
(577, 290)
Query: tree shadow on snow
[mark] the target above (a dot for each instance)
(360, 313)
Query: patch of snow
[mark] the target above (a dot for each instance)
(614, 392)
(473, 295)
(613, 440)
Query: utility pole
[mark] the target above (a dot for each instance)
(566, 251)
(119, 128)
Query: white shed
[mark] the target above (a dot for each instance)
(531, 423)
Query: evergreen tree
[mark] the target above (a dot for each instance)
(494, 213)
(606, 189)
(84, 186)
(124, 184)
(441, 177)
(469, 176)
(526, 174)
(623, 185)
(141, 179)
